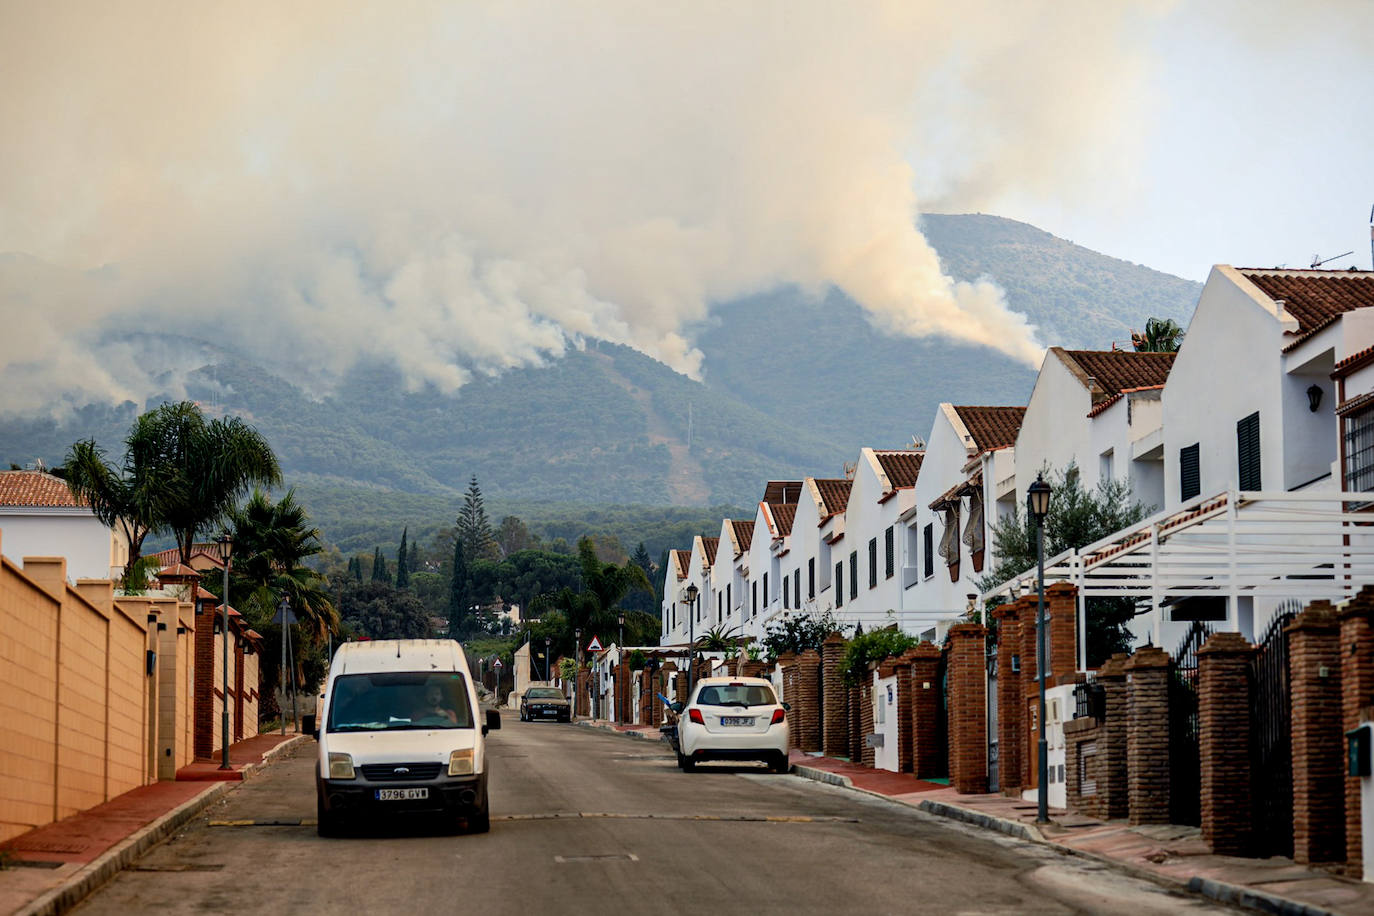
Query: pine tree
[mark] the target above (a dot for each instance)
(474, 528)
(459, 593)
(379, 570)
(403, 562)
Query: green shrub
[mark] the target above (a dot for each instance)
(869, 647)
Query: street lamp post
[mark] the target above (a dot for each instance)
(548, 671)
(621, 695)
(226, 547)
(692, 592)
(577, 659)
(1038, 506)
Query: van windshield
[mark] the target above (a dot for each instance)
(398, 700)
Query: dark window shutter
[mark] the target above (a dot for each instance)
(1189, 474)
(888, 538)
(928, 539)
(796, 587)
(786, 593)
(839, 584)
(811, 577)
(754, 599)
(765, 589)
(1248, 452)
(729, 605)
(872, 562)
(853, 574)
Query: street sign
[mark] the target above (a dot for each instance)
(594, 645)
(497, 664)
(284, 609)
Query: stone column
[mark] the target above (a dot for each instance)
(809, 689)
(968, 708)
(1011, 701)
(1357, 689)
(902, 669)
(580, 689)
(1112, 783)
(1318, 744)
(926, 750)
(203, 725)
(1224, 743)
(791, 694)
(1147, 736)
(1061, 618)
(835, 727)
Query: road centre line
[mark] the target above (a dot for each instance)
(573, 815)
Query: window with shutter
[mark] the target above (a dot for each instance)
(853, 574)
(720, 606)
(754, 599)
(1248, 452)
(928, 547)
(729, 605)
(890, 559)
(765, 589)
(811, 577)
(872, 562)
(1359, 452)
(796, 587)
(1189, 473)
(839, 584)
(786, 593)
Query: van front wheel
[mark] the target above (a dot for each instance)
(480, 820)
(327, 823)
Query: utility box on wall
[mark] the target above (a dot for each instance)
(1357, 751)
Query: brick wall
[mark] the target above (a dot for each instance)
(791, 694)
(203, 664)
(1061, 611)
(835, 726)
(927, 752)
(1011, 706)
(809, 695)
(855, 726)
(1224, 742)
(866, 752)
(1113, 788)
(1317, 739)
(968, 722)
(1147, 736)
(902, 669)
(1083, 765)
(1357, 691)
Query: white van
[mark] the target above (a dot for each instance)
(399, 734)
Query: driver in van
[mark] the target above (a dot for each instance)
(433, 706)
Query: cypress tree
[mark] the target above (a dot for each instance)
(356, 567)
(403, 562)
(379, 570)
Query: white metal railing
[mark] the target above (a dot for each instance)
(1307, 545)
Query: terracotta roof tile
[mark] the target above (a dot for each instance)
(834, 493)
(902, 466)
(991, 427)
(683, 558)
(1353, 361)
(783, 514)
(781, 492)
(1118, 370)
(37, 490)
(709, 545)
(1315, 298)
(744, 532)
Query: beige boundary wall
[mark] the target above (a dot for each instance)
(79, 708)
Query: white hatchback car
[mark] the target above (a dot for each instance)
(733, 718)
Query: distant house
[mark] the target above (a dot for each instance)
(39, 517)
(730, 572)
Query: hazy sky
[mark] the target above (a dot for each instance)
(462, 188)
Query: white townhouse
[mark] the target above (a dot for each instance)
(39, 517)
(969, 465)
(768, 552)
(864, 560)
(675, 608)
(1100, 409)
(730, 573)
(817, 524)
(1354, 378)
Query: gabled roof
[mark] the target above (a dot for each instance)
(172, 556)
(36, 490)
(682, 560)
(1107, 373)
(902, 466)
(709, 545)
(834, 493)
(782, 492)
(1316, 298)
(991, 427)
(782, 514)
(744, 532)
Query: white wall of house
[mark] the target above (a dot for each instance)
(806, 546)
(1056, 428)
(869, 593)
(93, 551)
(755, 605)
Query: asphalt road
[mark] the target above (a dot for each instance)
(588, 822)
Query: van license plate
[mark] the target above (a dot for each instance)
(736, 720)
(401, 794)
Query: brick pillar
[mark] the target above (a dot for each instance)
(203, 724)
(1314, 686)
(968, 708)
(835, 727)
(1061, 618)
(855, 724)
(1357, 689)
(809, 686)
(1224, 742)
(580, 700)
(680, 689)
(902, 668)
(1147, 736)
(867, 754)
(1112, 784)
(238, 689)
(926, 752)
(1011, 702)
(787, 663)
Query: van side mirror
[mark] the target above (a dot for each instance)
(493, 721)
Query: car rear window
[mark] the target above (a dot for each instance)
(544, 693)
(736, 695)
(399, 700)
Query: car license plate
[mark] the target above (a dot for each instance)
(401, 794)
(736, 720)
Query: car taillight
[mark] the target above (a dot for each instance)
(695, 716)
(778, 716)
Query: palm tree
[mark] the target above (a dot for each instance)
(603, 586)
(1162, 335)
(198, 470)
(272, 541)
(120, 496)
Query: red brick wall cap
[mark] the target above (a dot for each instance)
(1148, 657)
(1320, 616)
(1061, 588)
(887, 668)
(1114, 667)
(968, 631)
(787, 658)
(834, 638)
(1226, 644)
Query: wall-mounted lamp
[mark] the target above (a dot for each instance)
(1314, 398)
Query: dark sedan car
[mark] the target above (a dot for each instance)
(545, 703)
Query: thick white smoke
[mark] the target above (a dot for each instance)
(463, 188)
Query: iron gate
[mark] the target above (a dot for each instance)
(1185, 763)
(1271, 757)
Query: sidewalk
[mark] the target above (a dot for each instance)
(50, 869)
(1166, 853)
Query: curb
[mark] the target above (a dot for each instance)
(986, 821)
(94, 874)
(612, 730)
(1253, 899)
(825, 776)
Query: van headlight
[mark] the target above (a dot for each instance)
(340, 766)
(460, 763)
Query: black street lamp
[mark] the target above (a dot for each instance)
(226, 547)
(577, 658)
(1038, 506)
(621, 695)
(692, 593)
(548, 673)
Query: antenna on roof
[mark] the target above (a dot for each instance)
(849, 469)
(1318, 260)
(917, 443)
